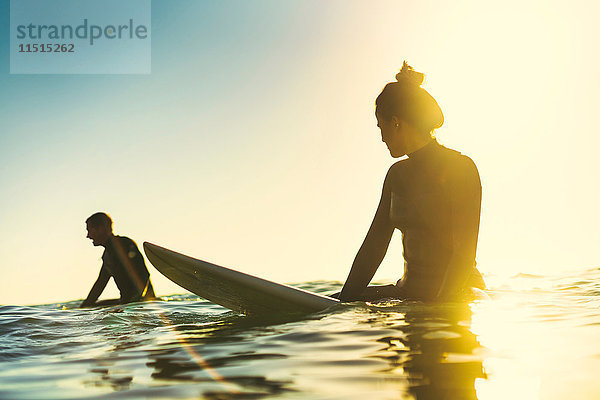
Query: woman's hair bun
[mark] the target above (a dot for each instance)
(409, 75)
(406, 99)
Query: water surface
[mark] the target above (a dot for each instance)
(536, 337)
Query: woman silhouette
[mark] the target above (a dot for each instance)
(433, 197)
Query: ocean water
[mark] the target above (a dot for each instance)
(537, 337)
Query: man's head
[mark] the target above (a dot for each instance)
(99, 228)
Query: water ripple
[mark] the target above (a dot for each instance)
(186, 347)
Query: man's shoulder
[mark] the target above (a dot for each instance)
(126, 243)
(124, 240)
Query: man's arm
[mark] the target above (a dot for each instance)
(466, 208)
(373, 249)
(97, 289)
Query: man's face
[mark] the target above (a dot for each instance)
(98, 234)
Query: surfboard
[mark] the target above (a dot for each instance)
(237, 291)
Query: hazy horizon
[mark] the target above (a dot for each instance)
(253, 142)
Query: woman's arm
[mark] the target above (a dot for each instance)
(372, 250)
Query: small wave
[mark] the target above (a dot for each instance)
(186, 347)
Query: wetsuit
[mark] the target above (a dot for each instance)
(434, 198)
(123, 262)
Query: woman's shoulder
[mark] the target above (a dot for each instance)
(399, 168)
(459, 160)
(461, 169)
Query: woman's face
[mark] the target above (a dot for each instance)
(391, 135)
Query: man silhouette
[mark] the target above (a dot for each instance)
(121, 260)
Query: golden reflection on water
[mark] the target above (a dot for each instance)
(429, 352)
(434, 351)
(540, 339)
(535, 341)
(512, 359)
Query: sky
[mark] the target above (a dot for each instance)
(253, 143)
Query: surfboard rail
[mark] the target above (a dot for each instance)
(235, 290)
